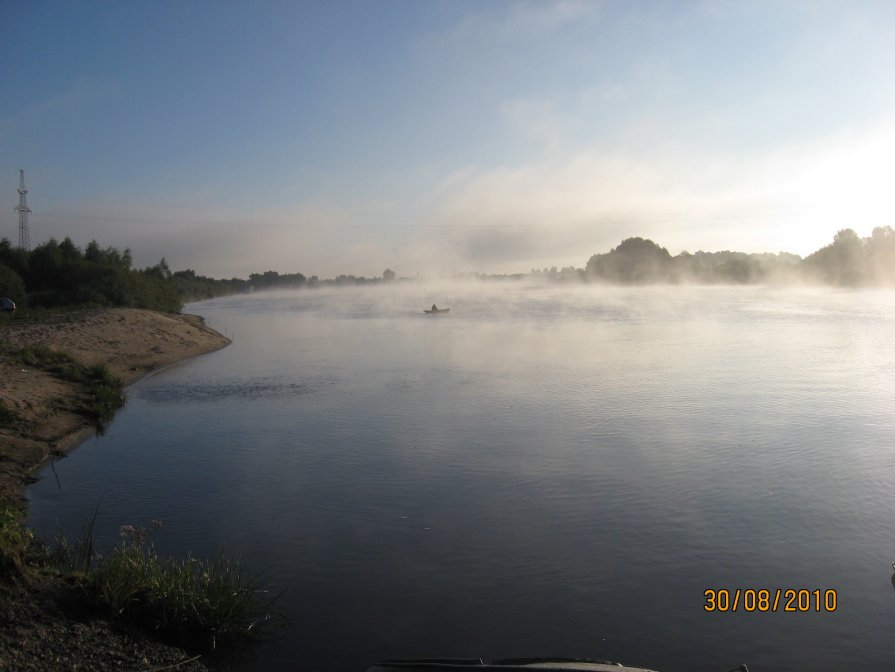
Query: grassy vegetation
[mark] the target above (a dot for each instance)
(105, 392)
(39, 314)
(195, 603)
(15, 538)
(198, 604)
(74, 558)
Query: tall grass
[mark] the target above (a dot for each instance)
(75, 557)
(209, 605)
(197, 603)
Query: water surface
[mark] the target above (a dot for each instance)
(544, 470)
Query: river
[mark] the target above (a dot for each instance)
(544, 470)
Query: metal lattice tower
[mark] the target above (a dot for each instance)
(23, 210)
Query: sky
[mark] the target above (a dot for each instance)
(444, 136)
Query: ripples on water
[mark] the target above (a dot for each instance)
(544, 470)
(247, 390)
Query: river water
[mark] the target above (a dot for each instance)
(545, 470)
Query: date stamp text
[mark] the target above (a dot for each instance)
(787, 600)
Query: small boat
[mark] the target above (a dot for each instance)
(437, 310)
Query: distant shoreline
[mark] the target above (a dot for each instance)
(132, 343)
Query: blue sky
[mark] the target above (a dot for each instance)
(444, 136)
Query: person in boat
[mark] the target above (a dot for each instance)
(434, 308)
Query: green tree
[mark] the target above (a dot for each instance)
(881, 255)
(842, 263)
(14, 257)
(12, 286)
(634, 261)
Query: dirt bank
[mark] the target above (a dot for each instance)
(130, 342)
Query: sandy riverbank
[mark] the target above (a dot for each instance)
(46, 620)
(129, 341)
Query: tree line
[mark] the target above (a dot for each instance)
(57, 274)
(848, 261)
(61, 274)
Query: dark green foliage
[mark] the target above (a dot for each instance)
(849, 261)
(15, 538)
(13, 257)
(880, 250)
(155, 288)
(70, 557)
(105, 392)
(55, 275)
(197, 603)
(733, 267)
(842, 262)
(634, 261)
(59, 274)
(194, 287)
(852, 261)
(12, 285)
(273, 280)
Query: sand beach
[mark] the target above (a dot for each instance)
(131, 342)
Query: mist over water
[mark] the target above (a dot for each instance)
(545, 470)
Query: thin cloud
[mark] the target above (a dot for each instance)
(518, 21)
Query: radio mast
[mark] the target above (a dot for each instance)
(23, 210)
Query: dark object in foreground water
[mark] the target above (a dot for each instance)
(509, 665)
